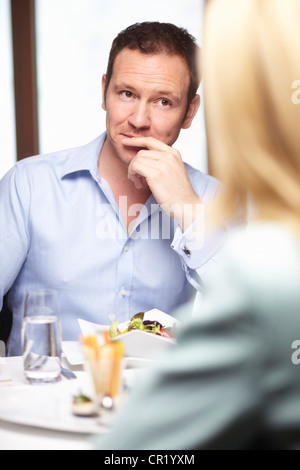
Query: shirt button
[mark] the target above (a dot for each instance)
(123, 292)
(125, 248)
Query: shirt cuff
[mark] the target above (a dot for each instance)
(194, 247)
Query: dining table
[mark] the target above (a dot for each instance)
(41, 417)
(34, 417)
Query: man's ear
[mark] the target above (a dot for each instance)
(103, 92)
(193, 108)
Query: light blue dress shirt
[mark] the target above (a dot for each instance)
(61, 228)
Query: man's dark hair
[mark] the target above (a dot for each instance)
(157, 38)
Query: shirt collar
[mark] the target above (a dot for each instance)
(84, 158)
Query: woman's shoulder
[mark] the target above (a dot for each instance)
(264, 252)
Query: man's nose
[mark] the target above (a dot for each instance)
(140, 116)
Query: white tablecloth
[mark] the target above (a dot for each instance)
(25, 409)
(17, 437)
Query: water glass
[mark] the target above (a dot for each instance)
(41, 337)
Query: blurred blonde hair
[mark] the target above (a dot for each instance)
(250, 59)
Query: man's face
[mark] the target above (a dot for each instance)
(146, 96)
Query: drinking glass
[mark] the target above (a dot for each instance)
(103, 362)
(41, 337)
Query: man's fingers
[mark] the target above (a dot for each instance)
(149, 143)
(144, 166)
(138, 181)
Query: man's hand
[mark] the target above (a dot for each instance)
(162, 169)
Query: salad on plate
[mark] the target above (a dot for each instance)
(137, 322)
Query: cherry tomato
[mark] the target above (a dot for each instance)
(165, 333)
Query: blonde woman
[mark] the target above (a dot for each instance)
(233, 381)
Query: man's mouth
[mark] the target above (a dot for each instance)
(132, 148)
(135, 149)
(131, 136)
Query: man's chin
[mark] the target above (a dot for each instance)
(127, 155)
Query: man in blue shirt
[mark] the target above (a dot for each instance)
(115, 226)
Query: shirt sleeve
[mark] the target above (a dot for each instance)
(198, 250)
(14, 238)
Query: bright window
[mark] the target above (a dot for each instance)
(7, 113)
(73, 41)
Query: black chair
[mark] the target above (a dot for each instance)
(6, 320)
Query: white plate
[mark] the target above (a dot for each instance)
(136, 362)
(48, 407)
(139, 344)
(144, 345)
(73, 352)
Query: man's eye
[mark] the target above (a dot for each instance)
(165, 102)
(126, 94)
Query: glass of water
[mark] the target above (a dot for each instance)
(41, 337)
